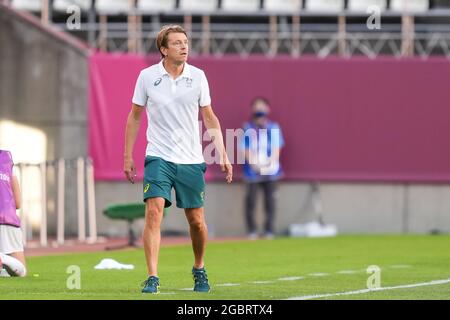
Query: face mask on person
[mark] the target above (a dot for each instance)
(259, 114)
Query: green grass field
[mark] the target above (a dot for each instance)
(327, 265)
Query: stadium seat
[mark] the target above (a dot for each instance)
(198, 5)
(325, 5)
(62, 5)
(27, 5)
(156, 5)
(441, 4)
(283, 5)
(112, 7)
(240, 5)
(413, 6)
(127, 212)
(362, 5)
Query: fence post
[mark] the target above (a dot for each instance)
(61, 201)
(81, 199)
(91, 202)
(23, 218)
(43, 227)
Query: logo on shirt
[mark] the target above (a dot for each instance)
(189, 83)
(202, 195)
(157, 82)
(4, 177)
(147, 186)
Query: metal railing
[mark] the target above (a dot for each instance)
(298, 33)
(44, 185)
(318, 43)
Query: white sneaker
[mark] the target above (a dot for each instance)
(252, 236)
(268, 236)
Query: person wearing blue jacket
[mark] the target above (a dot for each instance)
(261, 143)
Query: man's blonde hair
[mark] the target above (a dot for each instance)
(163, 35)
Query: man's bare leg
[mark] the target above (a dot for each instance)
(152, 233)
(199, 234)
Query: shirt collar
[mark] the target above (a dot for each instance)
(185, 74)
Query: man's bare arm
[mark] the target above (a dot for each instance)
(212, 125)
(131, 131)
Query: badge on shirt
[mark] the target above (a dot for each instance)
(188, 82)
(157, 82)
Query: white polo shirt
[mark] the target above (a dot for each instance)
(172, 111)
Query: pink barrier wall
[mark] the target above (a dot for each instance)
(343, 120)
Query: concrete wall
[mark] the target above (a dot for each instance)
(352, 207)
(44, 85)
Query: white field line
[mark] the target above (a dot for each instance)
(414, 285)
(317, 274)
(290, 278)
(399, 266)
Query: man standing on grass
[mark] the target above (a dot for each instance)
(173, 92)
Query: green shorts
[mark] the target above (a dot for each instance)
(187, 179)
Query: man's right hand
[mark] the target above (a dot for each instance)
(129, 169)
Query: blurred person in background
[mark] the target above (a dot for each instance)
(12, 258)
(261, 144)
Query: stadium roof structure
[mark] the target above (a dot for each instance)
(264, 27)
